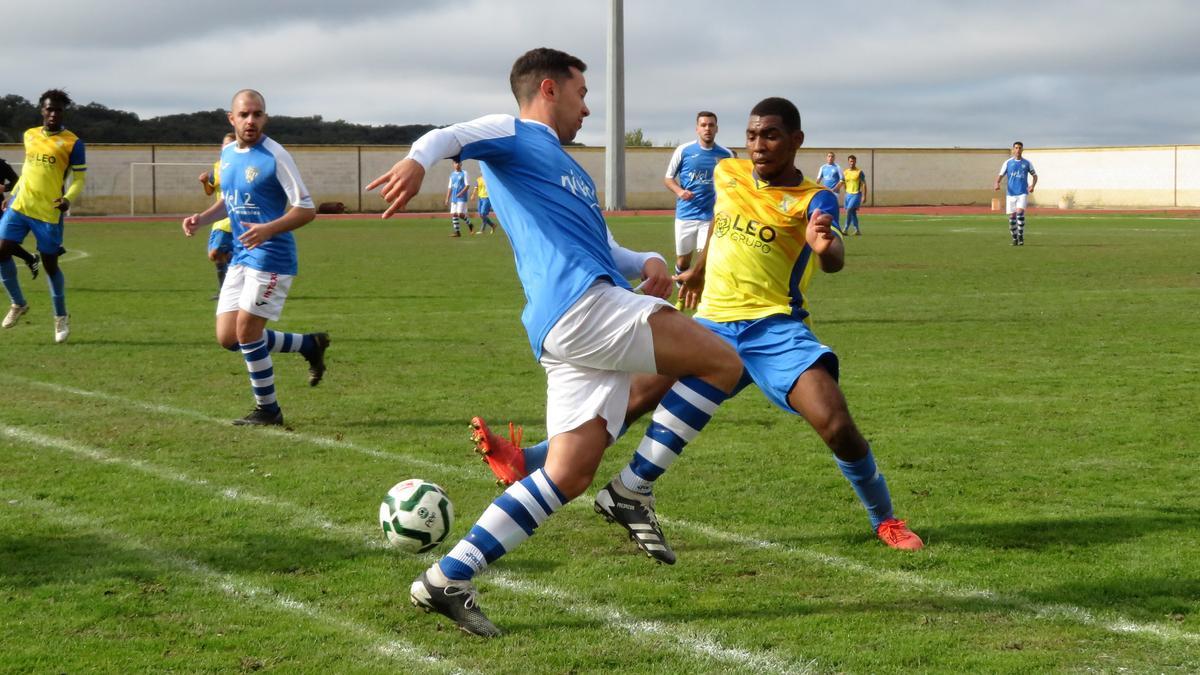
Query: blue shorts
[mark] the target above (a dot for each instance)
(853, 201)
(485, 206)
(15, 225)
(775, 351)
(220, 240)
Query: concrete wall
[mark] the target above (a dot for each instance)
(1142, 177)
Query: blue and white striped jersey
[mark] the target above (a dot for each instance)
(259, 184)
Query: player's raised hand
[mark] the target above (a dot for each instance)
(400, 184)
(656, 279)
(819, 233)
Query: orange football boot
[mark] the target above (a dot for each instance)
(895, 533)
(504, 456)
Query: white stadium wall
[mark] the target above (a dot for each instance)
(1118, 177)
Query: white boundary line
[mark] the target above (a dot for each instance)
(1109, 622)
(234, 586)
(703, 646)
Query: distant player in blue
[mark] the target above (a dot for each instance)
(264, 199)
(586, 326)
(458, 192)
(1019, 186)
(689, 177)
(830, 174)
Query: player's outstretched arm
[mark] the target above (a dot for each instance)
(824, 242)
(399, 185)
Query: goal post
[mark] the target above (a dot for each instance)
(174, 189)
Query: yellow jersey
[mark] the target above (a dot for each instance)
(481, 188)
(214, 180)
(854, 181)
(758, 262)
(48, 159)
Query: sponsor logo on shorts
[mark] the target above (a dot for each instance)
(270, 290)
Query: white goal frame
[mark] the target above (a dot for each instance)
(132, 176)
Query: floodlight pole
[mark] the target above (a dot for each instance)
(614, 156)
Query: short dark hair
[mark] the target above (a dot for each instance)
(706, 113)
(852, 157)
(539, 64)
(1016, 143)
(57, 96)
(782, 107)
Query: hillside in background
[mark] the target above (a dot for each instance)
(97, 123)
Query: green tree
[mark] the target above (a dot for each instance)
(635, 139)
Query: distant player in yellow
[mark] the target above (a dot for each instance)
(772, 228)
(220, 240)
(39, 201)
(855, 180)
(484, 206)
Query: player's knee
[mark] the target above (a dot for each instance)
(838, 431)
(50, 264)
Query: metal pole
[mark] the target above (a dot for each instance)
(614, 156)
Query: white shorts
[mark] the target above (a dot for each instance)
(1015, 203)
(259, 293)
(590, 354)
(690, 235)
(458, 208)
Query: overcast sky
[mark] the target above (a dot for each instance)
(864, 73)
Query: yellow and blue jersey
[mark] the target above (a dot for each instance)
(758, 262)
(48, 159)
(481, 188)
(853, 180)
(214, 181)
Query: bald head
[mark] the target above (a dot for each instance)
(251, 93)
(248, 116)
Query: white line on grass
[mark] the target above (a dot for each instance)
(236, 587)
(702, 646)
(1116, 624)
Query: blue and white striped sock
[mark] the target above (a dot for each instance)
(680, 416)
(278, 341)
(508, 522)
(262, 375)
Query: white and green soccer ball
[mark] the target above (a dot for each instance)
(416, 515)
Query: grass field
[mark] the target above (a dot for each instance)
(1034, 410)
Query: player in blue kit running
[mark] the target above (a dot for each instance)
(458, 193)
(264, 199)
(689, 177)
(830, 174)
(1018, 187)
(586, 327)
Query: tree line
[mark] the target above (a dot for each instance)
(97, 123)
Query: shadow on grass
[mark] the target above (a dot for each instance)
(1042, 533)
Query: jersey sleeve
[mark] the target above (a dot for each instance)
(1003, 168)
(488, 138)
(289, 179)
(827, 202)
(673, 165)
(1029, 165)
(78, 159)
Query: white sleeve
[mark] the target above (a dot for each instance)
(289, 177)
(629, 263)
(450, 141)
(673, 165)
(1031, 171)
(1003, 168)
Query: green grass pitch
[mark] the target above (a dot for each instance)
(1034, 410)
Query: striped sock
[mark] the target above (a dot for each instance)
(508, 522)
(1012, 226)
(454, 222)
(8, 275)
(278, 341)
(1021, 226)
(262, 375)
(680, 416)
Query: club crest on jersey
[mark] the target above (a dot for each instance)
(251, 174)
(786, 204)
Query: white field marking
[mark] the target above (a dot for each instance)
(700, 646)
(270, 431)
(1111, 623)
(1115, 624)
(686, 641)
(236, 587)
(74, 254)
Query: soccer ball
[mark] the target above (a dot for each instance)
(416, 515)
